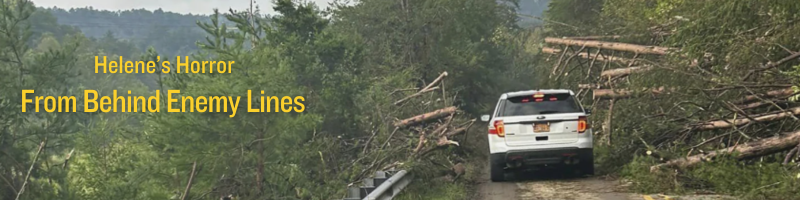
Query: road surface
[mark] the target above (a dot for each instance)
(557, 185)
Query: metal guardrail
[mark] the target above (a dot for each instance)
(384, 186)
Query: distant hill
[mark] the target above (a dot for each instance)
(171, 33)
(532, 8)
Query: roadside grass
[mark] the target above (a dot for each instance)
(435, 190)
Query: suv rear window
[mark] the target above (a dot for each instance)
(549, 104)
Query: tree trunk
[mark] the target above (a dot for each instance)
(607, 124)
(748, 150)
(585, 55)
(426, 117)
(621, 93)
(189, 182)
(718, 124)
(642, 49)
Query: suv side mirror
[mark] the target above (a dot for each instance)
(485, 118)
(588, 110)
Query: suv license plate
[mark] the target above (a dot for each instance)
(541, 128)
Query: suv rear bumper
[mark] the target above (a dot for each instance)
(498, 144)
(533, 158)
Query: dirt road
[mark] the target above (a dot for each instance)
(555, 185)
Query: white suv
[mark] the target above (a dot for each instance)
(539, 128)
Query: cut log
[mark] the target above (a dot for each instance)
(752, 105)
(718, 124)
(588, 86)
(585, 55)
(616, 94)
(769, 94)
(748, 150)
(426, 117)
(624, 71)
(642, 49)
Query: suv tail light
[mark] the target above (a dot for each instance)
(497, 129)
(583, 124)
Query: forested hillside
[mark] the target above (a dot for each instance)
(688, 96)
(175, 33)
(357, 68)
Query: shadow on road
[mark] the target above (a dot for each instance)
(546, 174)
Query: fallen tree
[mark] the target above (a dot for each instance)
(758, 104)
(769, 94)
(436, 128)
(748, 150)
(719, 124)
(642, 49)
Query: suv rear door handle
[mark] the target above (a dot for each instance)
(540, 117)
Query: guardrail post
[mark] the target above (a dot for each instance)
(380, 177)
(353, 193)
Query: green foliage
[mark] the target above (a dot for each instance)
(724, 175)
(795, 73)
(644, 181)
(349, 66)
(733, 177)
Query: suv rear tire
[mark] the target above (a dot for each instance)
(496, 165)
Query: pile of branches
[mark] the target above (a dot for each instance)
(761, 108)
(438, 126)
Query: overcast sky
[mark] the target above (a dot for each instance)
(178, 6)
